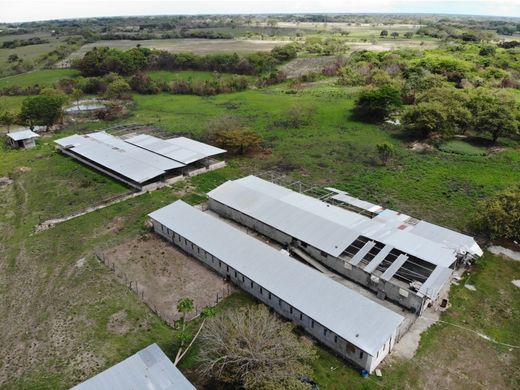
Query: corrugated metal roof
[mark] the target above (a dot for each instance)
(180, 149)
(113, 153)
(330, 228)
(343, 197)
(350, 315)
(21, 135)
(148, 369)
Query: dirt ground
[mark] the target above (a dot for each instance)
(164, 275)
(302, 66)
(197, 46)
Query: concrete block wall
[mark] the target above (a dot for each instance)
(343, 348)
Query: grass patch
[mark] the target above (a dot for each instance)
(189, 75)
(46, 77)
(463, 148)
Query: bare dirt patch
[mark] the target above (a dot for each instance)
(5, 181)
(164, 275)
(302, 66)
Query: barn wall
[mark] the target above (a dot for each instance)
(343, 348)
(383, 289)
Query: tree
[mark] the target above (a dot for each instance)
(43, 110)
(386, 151)
(228, 133)
(374, 105)
(253, 349)
(425, 118)
(76, 95)
(494, 113)
(142, 83)
(384, 33)
(455, 106)
(118, 89)
(408, 35)
(394, 34)
(499, 216)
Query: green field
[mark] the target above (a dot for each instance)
(441, 187)
(193, 75)
(45, 77)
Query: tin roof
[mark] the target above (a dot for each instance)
(332, 229)
(345, 312)
(149, 368)
(119, 156)
(21, 135)
(181, 149)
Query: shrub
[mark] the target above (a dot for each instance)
(118, 89)
(374, 105)
(499, 216)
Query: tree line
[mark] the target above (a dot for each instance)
(103, 60)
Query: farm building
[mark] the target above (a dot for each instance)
(138, 164)
(357, 328)
(149, 368)
(399, 258)
(22, 138)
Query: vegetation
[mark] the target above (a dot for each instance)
(375, 105)
(252, 348)
(452, 84)
(42, 110)
(499, 216)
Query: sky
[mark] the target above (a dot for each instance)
(28, 10)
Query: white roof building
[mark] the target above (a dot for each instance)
(149, 368)
(343, 311)
(181, 149)
(129, 160)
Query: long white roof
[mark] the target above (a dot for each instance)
(332, 229)
(113, 153)
(22, 134)
(345, 312)
(149, 368)
(181, 149)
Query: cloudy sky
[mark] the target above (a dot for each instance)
(26, 10)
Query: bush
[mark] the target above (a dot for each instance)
(228, 133)
(118, 89)
(499, 217)
(143, 84)
(374, 105)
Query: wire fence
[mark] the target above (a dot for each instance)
(171, 317)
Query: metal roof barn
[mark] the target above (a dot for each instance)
(345, 312)
(125, 159)
(181, 149)
(331, 228)
(149, 369)
(21, 135)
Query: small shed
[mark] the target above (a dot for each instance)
(22, 139)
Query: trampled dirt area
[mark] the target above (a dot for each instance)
(164, 275)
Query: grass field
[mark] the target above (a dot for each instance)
(167, 76)
(41, 77)
(441, 187)
(197, 46)
(58, 301)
